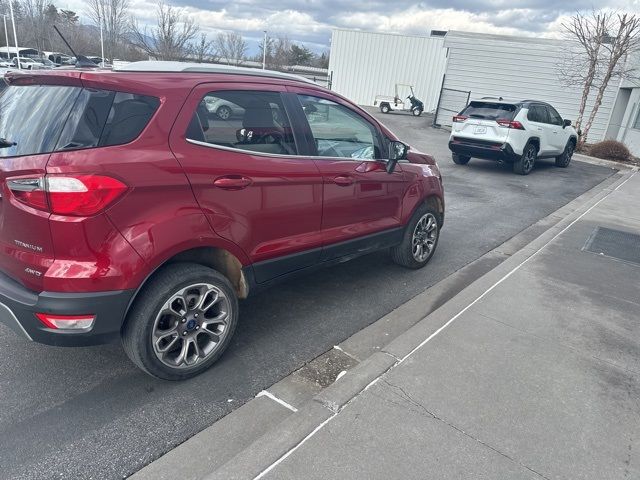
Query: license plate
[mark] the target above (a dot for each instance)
(480, 129)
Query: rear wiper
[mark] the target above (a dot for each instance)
(4, 143)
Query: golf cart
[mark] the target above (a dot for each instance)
(398, 102)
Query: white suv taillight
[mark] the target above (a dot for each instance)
(510, 124)
(74, 195)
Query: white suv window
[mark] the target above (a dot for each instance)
(490, 110)
(554, 117)
(537, 113)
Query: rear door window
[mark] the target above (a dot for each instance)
(490, 110)
(243, 120)
(537, 113)
(46, 118)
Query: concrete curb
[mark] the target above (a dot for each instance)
(603, 163)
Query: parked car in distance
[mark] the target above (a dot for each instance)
(519, 133)
(27, 63)
(6, 64)
(48, 63)
(222, 108)
(129, 213)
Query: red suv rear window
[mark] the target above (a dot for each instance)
(45, 118)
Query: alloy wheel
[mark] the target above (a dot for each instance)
(529, 159)
(424, 237)
(224, 113)
(191, 325)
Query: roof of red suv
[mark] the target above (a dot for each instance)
(155, 78)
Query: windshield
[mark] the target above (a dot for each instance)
(32, 117)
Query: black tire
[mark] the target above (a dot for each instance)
(526, 162)
(563, 160)
(416, 112)
(460, 159)
(403, 254)
(224, 112)
(137, 333)
(385, 108)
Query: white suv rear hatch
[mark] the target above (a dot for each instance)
(484, 120)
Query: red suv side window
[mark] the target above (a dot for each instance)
(243, 120)
(338, 131)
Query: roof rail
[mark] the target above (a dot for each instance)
(187, 67)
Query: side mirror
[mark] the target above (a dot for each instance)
(397, 151)
(566, 123)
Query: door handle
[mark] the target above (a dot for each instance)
(344, 180)
(232, 182)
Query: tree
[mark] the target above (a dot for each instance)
(323, 60)
(170, 39)
(300, 55)
(602, 42)
(232, 47)
(203, 50)
(281, 52)
(261, 46)
(112, 14)
(68, 17)
(37, 27)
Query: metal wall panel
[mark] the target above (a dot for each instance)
(519, 68)
(367, 64)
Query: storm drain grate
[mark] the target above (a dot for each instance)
(614, 243)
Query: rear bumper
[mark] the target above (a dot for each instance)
(487, 150)
(18, 307)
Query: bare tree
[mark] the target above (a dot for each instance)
(113, 16)
(601, 44)
(203, 50)
(231, 47)
(171, 38)
(281, 52)
(36, 16)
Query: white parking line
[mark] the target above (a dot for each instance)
(265, 393)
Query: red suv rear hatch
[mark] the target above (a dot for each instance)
(32, 118)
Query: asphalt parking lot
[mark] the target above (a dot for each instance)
(89, 413)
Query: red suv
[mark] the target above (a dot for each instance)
(132, 207)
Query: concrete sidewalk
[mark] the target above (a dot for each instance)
(533, 371)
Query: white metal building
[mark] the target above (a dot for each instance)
(519, 68)
(366, 64)
(461, 66)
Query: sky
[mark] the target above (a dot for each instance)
(310, 21)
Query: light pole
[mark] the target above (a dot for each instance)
(264, 51)
(15, 36)
(6, 35)
(101, 42)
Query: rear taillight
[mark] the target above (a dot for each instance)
(29, 191)
(503, 122)
(66, 322)
(74, 195)
(459, 118)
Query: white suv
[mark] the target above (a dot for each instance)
(514, 132)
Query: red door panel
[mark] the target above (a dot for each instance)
(270, 205)
(370, 203)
